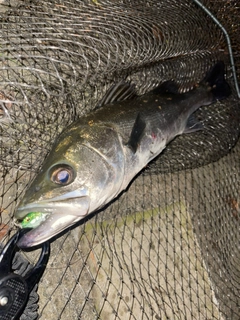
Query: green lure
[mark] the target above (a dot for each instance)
(33, 219)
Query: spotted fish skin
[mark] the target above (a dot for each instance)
(97, 156)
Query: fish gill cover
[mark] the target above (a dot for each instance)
(169, 246)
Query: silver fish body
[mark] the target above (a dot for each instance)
(96, 157)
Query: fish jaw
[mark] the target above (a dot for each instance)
(59, 216)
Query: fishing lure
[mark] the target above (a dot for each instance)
(33, 219)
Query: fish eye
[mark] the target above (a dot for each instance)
(62, 174)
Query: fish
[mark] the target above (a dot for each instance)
(96, 157)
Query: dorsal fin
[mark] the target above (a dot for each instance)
(169, 86)
(118, 92)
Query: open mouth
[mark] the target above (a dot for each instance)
(48, 220)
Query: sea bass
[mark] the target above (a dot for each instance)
(96, 157)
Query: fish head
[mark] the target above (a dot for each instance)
(64, 191)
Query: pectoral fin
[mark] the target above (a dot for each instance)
(137, 133)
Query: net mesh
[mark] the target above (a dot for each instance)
(168, 248)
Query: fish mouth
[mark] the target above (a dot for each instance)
(59, 216)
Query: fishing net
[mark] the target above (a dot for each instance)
(167, 248)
